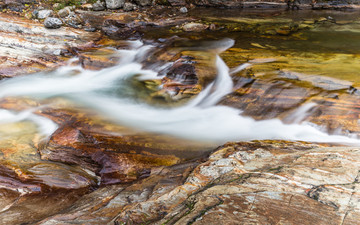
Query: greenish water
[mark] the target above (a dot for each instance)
(325, 43)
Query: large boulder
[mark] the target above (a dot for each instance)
(114, 4)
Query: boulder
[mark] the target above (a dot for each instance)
(129, 7)
(177, 2)
(98, 6)
(114, 4)
(45, 13)
(64, 12)
(143, 2)
(52, 23)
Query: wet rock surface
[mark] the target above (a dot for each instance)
(250, 182)
(116, 175)
(28, 47)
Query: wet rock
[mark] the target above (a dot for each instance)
(114, 4)
(118, 30)
(183, 71)
(42, 14)
(195, 27)
(287, 95)
(28, 46)
(177, 2)
(143, 2)
(98, 6)
(110, 201)
(52, 23)
(236, 189)
(64, 12)
(129, 7)
(220, 3)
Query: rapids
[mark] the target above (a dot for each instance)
(200, 119)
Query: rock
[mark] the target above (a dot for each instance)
(177, 2)
(183, 70)
(195, 27)
(34, 14)
(45, 13)
(183, 10)
(143, 2)
(28, 46)
(64, 12)
(87, 6)
(220, 3)
(114, 4)
(98, 6)
(56, 5)
(247, 182)
(129, 7)
(118, 30)
(14, 6)
(52, 23)
(73, 20)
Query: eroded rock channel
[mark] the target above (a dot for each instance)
(166, 115)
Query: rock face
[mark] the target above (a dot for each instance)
(28, 47)
(248, 182)
(115, 4)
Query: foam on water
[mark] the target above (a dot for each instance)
(199, 119)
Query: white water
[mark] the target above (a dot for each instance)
(199, 119)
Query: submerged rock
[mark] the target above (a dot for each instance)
(195, 27)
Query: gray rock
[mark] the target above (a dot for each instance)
(98, 6)
(64, 12)
(42, 14)
(35, 14)
(52, 23)
(115, 4)
(143, 2)
(183, 10)
(73, 20)
(129, 7)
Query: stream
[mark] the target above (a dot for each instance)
(199, 119)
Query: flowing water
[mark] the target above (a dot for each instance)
(107, 92)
